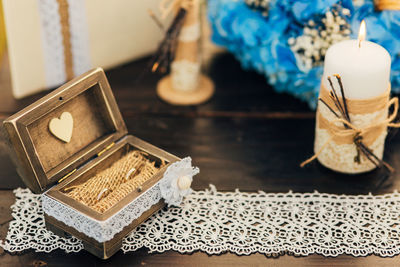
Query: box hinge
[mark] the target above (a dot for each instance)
(67, 175)
(105, 149)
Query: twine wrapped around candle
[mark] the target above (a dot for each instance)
(350, 134)
(387, 5)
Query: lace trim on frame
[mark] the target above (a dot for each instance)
(78, 26)
(52, 40)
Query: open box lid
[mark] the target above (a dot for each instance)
(41, 157)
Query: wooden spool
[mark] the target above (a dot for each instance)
(172, 96)
(198, 88)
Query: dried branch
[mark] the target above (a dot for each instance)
(361, 147)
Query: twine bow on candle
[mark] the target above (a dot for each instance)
(381, 5)
(342, 130)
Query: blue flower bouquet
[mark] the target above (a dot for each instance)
(286, 40)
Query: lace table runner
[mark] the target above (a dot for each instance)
(243, 223)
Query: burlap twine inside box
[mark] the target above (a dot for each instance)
(339, 153)
(111, 185)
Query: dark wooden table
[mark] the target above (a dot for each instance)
(247, 137)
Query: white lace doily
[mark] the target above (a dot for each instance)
(242, 223)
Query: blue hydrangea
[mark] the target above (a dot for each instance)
(261, 42)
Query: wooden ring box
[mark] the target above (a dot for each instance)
(47, 164)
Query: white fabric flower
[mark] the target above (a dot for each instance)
(176, 181)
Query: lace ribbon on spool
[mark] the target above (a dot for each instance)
(168, 6)
(342, 131)
(185, 69)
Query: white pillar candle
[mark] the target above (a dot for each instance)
(364, 67)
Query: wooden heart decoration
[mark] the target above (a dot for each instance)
(62, 127)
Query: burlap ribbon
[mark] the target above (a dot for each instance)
(343, 132)
(63, 11)
(111, 185)
(387, 5)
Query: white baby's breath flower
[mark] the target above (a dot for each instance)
(260, 5)
(358, 2)
(310, 47)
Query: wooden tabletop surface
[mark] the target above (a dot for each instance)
(247, 136)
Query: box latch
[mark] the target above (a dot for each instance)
(67, 175)
(105, 149)
(74, 170)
